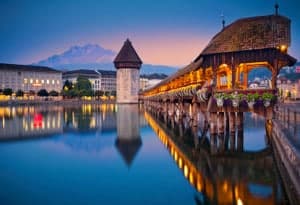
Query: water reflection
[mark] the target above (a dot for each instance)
(40, 121)
(128, 140)
(228, 178)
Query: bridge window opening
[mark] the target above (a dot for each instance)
(259, 78)
(223, 80)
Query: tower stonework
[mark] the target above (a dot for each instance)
(128, 65)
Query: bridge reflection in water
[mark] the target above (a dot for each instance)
(229, 177)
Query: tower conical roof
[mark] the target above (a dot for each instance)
(128, 148)
(127, 57)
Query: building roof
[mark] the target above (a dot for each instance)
(107, 73)
(32, 68)
(127, 55)
(81, 71)
(249, 33)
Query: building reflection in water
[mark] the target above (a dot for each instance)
(86, 122)
(29, 122)
(128, 140)
(234, 178)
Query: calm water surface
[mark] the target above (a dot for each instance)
(102, 154)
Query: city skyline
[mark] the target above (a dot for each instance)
(169, 33)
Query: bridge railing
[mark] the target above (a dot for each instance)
(289, 117)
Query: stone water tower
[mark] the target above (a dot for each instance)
(128, 65)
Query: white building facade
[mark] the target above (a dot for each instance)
(100, 79)
(30, 78)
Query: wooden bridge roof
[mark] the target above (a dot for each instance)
(251, 33)
(250, 39)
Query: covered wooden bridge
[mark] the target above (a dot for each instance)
(216, 82)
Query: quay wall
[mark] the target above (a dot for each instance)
(287, 160)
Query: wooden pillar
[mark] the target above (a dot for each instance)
(232, 130)
(221, 131)
(240, 131)
(233, 74)
(275, 70)
(221, 123)
(213, 132)
(245, 79)
(194, 112)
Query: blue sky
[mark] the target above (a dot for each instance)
(169, 32)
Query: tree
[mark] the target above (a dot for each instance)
(83, 87)
(53, 93)
(7, 91)
(20, 93)
(43, 93)
(68, 85)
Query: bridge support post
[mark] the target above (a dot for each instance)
(213, 132)
(165, 111)
(194, 112)
(232, 130)
(221, 131)
(240, 131)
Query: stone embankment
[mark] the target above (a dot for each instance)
(287, 156)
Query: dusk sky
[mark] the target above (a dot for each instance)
(167, 32)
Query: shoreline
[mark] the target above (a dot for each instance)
(54, 102)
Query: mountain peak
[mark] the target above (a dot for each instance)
(89, 53)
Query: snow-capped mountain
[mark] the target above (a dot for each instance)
(90, 53)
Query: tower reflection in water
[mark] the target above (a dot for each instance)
(128, 140)
(238, 177)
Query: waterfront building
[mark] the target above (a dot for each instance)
(288, 89)
(29, 78)
(100, 79)
(128, 65)
(108, 80)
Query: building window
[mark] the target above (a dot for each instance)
(36, 80)
(31, 81)
(25, 81)
(47, 81)
(43, 81)
(57, 82)
(53, 82)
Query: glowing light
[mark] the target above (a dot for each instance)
(37, 120)
(180, 163)
(283, 48)
(199, 185)
(239, 202)
(186, 170)
(191, 178)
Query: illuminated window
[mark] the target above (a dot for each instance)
(43, 81)
(57, 82)
(36, 80)
(31, 81)
(47, 81)
(25, 81)
(53, 82)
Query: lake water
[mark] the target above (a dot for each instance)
(103, 154)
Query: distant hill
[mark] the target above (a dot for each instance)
(93, 56)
